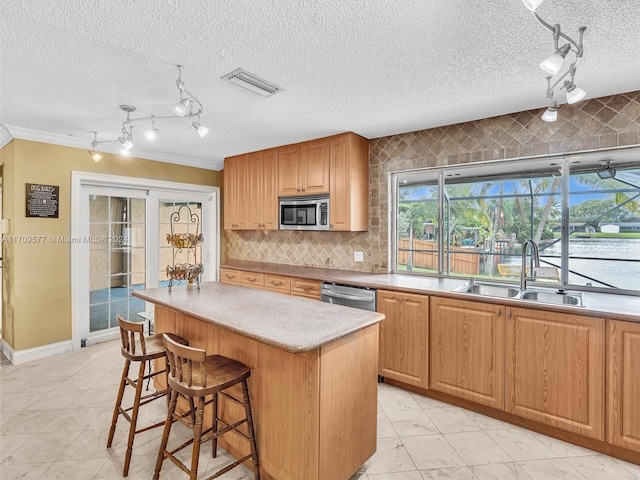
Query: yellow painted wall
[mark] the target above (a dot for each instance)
(37, 302)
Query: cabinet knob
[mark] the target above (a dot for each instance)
(509, 314)
(499, 312)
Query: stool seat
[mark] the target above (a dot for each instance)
(154, 348)
(194, 375)
(138, 348)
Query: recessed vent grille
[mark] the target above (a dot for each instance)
(251, 82)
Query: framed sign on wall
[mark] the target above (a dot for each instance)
(42, 200)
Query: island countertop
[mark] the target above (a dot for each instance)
(289, 323)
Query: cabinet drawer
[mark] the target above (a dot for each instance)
(254, 280)
(230, 276)
(305, 288)
(277, 283)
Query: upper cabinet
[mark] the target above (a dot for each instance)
(263, 198)
(236, 211)
(338, 166)
(349, 183)
(304, 169)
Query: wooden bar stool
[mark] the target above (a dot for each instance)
(194, 375)
(137, 348)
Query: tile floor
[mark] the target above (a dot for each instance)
(418, 438)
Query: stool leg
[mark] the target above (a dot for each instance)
(116, 409)
(134, 418)
(214, 440)
(252, 437)
(197, 434)
(165, 433)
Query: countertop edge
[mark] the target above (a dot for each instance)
(378, 317)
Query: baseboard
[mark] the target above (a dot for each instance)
(30, 354)
(107, 337)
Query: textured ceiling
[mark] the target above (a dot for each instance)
(375, 67)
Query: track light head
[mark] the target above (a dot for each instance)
(182, 107)
(551, 113)
(532, 4)
(553, 63)
(96, 156)
(574, 93)
(153, 132)
(201, 129)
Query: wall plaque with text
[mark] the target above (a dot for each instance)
(42, 200)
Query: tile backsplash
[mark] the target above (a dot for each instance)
(596, 124)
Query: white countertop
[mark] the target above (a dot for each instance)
(290, 323)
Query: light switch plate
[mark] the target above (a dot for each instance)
(358, 256)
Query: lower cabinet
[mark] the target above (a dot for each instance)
(555, 369)
(467, 350)
(624, 385)
(298, 287)
(404, 337)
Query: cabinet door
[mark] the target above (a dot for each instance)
(555, 369)
(467, 350)
(315, 167)
(254, 190)
(349, 183)
(404, 337)
(289, 171)
(235, 198)
(269, 196)
(624, 385)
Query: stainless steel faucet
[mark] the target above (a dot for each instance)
(535, 255)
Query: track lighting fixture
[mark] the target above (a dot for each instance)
(152, 134)
(554, 64)
(96, 156)
(188, 106)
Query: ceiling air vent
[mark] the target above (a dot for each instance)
(251, 82)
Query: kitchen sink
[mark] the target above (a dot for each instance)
(556, 298)
(487, 289)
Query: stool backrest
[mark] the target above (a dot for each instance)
(186, 364)
(128, 333)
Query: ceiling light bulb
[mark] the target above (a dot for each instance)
(551, 113)
(201, 129)
(574, 94)
(124, 152)
(127, 144)
(532, 4)
(182, 107)
(152, 134)
(553, 63)
(95, 155)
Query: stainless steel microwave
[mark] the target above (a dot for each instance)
(304, 213)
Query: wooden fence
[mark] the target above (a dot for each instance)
(425, 255)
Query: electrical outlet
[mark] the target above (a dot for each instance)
(358, 256)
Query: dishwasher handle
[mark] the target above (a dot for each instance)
(357, 298)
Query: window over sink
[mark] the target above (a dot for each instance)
(582, 210)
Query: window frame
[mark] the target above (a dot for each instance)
(565, 165)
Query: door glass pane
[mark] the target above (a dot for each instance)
(117, 259)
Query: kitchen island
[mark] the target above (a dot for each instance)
(313, 381)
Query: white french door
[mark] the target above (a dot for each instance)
(119, 232)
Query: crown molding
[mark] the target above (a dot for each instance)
(68, 141)
(5, 136)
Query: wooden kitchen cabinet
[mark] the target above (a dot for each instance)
(466, 354)
(262, 190)
(236, 198)
(303, 169)
(555, 369)
(241, 277)
(349, 183)
(404, 337)
(623, 384)
(305, 288)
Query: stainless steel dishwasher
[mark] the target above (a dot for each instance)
(356, 297)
